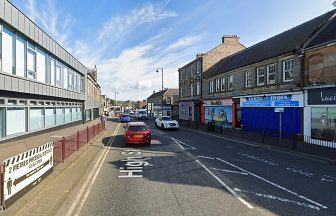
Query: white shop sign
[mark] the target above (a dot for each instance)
(25, 168)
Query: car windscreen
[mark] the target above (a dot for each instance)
(166, 118)
(137, 128)
(124, 116)
(142, 112)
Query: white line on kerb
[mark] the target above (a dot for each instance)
(211, 158)
(226, 186)
(230, 171)
(94, 172)
(274, 184)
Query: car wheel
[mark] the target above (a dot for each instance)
(162, 127)
(156, 125)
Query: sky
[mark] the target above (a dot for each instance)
(129, 39)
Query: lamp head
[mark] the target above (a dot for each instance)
(157, 71)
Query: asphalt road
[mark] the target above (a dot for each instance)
(192, 173)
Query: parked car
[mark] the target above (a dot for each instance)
(141, 114)
(125, 118)
(137, 133)
(166, 122)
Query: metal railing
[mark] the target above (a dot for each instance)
(284, 140)
(64, 147)
(2, 186)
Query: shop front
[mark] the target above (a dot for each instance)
(320, 114)
(219, 112)
(272, 112)
(157, 110)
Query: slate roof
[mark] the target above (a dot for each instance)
(157, 94)
(289, 41)
(328, 34)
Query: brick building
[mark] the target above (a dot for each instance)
(190, 76)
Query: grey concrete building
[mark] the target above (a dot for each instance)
(190, 76)
(41, 84)
(260, 88)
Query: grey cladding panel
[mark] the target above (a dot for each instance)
(21, 85)
(21, 22)
(45, 41)
(31, 29)
(36, 88)
(15, 84)
(15, 17)
(8, 12)
(2, 81)
(36, 36)
(2, 9)
(39, 36)
(40, 89)
(8, 83)
(26, 83)
(26, 24)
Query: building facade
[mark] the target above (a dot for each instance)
(190, 76)
(41, 84)
(93, 102)
(320, 86)
(261, 87)
(155, 105)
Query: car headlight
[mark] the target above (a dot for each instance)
(166, 124)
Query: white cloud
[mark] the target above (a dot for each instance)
(119, 25)
(185, 41)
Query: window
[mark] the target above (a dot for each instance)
(222, 84)
(36, 117)
(2, 121)
(248, 78)
(31, 61)
(8, 50)
(198, 88)
(192, 90)
(323, 123)
(198, 67)
(260, 76)
(52, 72)
(75, 82)
(71, 80)
(65, 77)
(287, 70)
(50, 117)
(60, 115)
(211, 86)
(82, 85)
(16, 120)
(67, 114)
(217, 85)
(271, 74)
(230, 82)
(41, 66)
(58, 75)
(20, 56)
(186, 91)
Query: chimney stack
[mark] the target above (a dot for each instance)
(230, 39)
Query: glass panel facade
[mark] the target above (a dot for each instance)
(67, 114)
(59, 115)
(50, 117)
(36, 119)
(16, 120)
(79, 114)
(323, 124)
(41, 66)
(20, 56)
(31, 64)
(2, 122)
(52, 72)
(65, 78)
(7, 50)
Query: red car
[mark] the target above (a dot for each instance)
(137, 132)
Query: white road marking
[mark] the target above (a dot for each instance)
(267, 196)
(92, 176)
(328, 178)
(211, 158)
(258, 159)
(274, 184)
(294, 170)
(230, 171)
(180, 143)
(158, 131)
(227, 187)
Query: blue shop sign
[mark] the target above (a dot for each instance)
(286, 100)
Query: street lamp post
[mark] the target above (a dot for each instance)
(157, 71)
(115, 96)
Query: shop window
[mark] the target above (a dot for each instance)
(67, 115)
(271, 74)
(60, 115)
(287, 70)
(16, 120)
(323, 123)
(260, 76)
(36, 119)
(50, 117)
(2, 122)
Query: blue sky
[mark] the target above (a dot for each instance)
(129, 39)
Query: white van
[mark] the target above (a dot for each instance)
(141, 113)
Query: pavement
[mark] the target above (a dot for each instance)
(16, 146)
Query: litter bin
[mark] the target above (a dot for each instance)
(211, 126)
